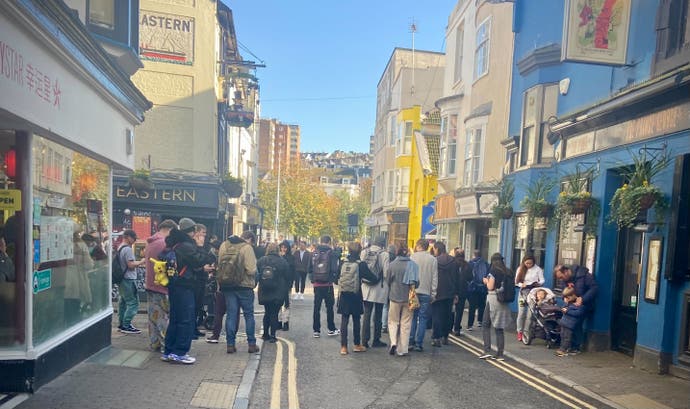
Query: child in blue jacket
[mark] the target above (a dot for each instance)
(572, 314)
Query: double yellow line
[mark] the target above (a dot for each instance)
(527, 378)
(293, 398)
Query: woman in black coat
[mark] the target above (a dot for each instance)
(272, 271)
(287, 255)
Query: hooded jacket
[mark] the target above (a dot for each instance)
(154, 246)
(189, 256)
(448, 273)
(248, 259)
(377, 293)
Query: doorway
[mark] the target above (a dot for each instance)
(626, 291)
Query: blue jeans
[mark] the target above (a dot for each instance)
(234, 300)
(421, 316)
(178, 337)
(129, 301)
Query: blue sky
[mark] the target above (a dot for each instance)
(324, 59)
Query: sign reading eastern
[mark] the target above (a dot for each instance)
(166, 37)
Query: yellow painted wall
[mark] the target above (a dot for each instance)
(180, 130)
(422, 188)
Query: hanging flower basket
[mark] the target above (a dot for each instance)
(542, 210)
(647, 201)
(507, 213)
(140, 180)
(233, 189)
(580, 205)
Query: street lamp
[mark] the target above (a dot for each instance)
(280, 144)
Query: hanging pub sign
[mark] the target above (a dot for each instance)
(166, 37)
(596, 31)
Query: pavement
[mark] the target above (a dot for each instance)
(127, 374)
(607, 376)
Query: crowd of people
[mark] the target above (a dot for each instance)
(397, 290)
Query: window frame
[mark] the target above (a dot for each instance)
(459, 52)
(483, 45)
(126, 23)
(472, 159)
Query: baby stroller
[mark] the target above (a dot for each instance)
(209, 303)
(543, 319)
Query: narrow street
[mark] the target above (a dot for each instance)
(448, 377)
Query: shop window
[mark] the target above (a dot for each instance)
(70, 238)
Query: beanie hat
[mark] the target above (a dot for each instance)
(186, 224)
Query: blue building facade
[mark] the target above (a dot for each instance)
(602, 83)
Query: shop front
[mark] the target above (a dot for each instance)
(447, 221)
(65, 124)
(474, 208)
(141, 209)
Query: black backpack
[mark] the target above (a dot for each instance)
(118, 273)
(268, 279)
(321, 262)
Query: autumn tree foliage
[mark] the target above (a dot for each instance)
(306, 211)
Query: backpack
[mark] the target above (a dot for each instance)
(372, 260)
(321, 260)
(479, 270)
(230, 268)
(349, 277)
(506, 292)
(169, 256)
(118, 273)
(268, 279)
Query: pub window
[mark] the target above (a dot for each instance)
(673, 35)
(529, 241)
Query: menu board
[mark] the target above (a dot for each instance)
(56, 238)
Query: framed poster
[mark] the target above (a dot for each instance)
(654, 254)
(596, 31)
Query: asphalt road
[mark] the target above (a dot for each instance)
(311, 373)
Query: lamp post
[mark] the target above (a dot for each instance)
(280, 144)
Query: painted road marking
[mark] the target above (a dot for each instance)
(293, 398)
(527, 378)
(277, 377)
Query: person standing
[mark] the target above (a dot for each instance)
(529, 276)
(129, 299)
(477, 289)
(496, 313)
(586, 289)
(157, 295)
(375, 292)
(323, 274)
(272, 275)
(446, 293)
(237, 278)
(464, 278)
(286, 254)
(189, 257)
(426, 291)
(201, 276)
(403, 276)
(350, 277)
(302, 267)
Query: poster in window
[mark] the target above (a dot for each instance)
(651, 292)
(596, 31)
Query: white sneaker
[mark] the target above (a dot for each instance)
(295, 296)
(333, 333)
(301, 296)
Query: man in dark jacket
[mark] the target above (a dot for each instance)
(178, 338)
(586, 289)
(272, 290)
(323, 274)
(446, 292)
(302, 258)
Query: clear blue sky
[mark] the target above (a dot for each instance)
(324, 59)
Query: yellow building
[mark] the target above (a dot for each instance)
(423, 170)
